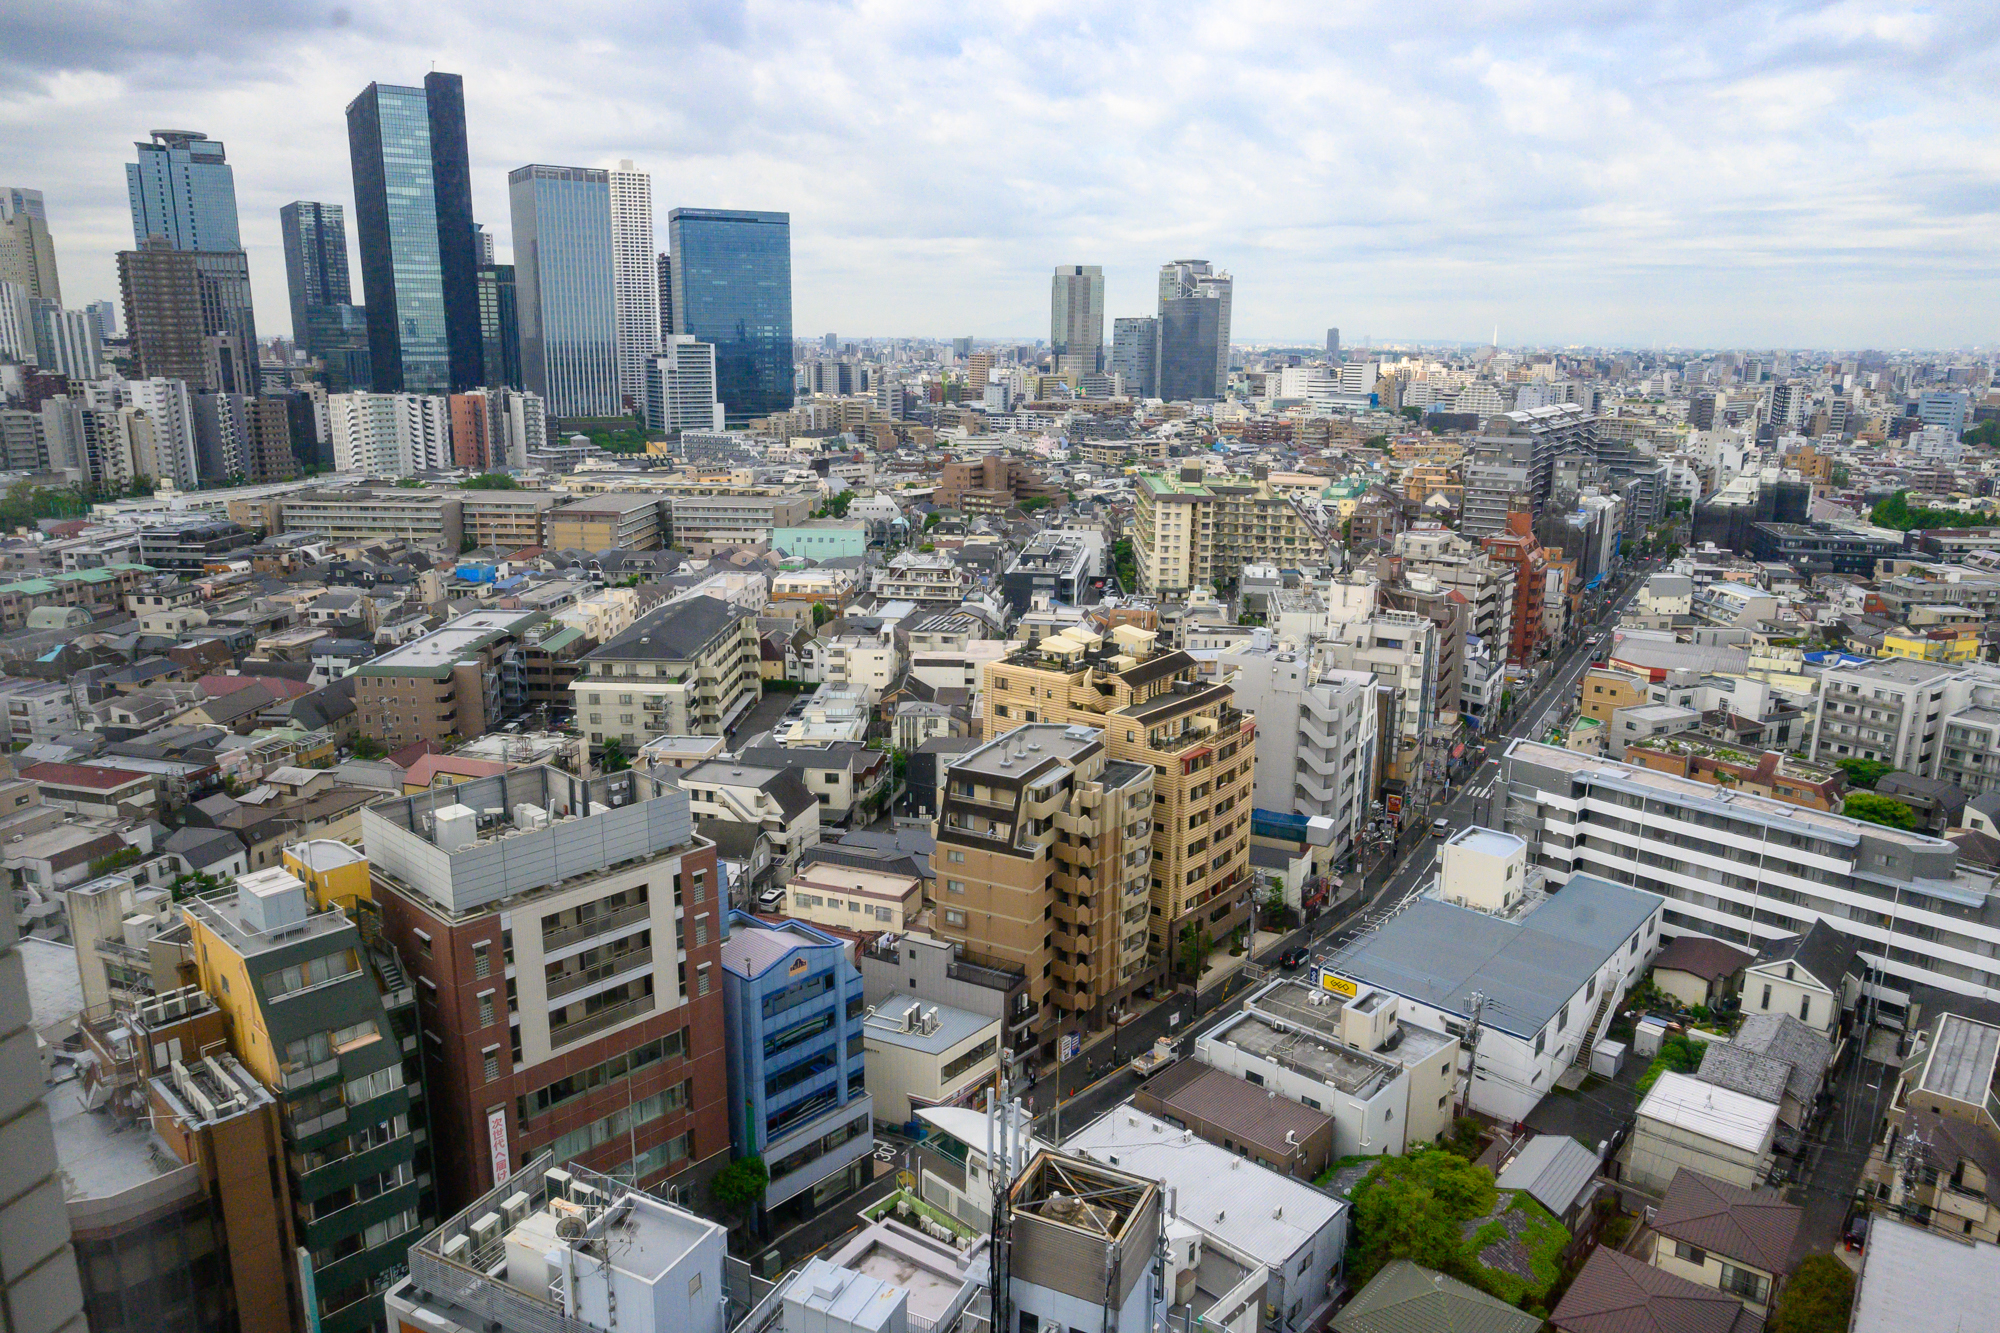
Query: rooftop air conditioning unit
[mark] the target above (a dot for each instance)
(485, 1230)
(458, 1249)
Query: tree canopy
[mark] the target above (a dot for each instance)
(1413, 1207)
(1885, 810)
(740, 1184)
(492, 481)
(1817, 1298)
(1864, 772)
(1895, 512)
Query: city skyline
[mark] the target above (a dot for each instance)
(1751, 180)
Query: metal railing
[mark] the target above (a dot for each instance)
(610, 967)
(564, 936)
(604, 1018)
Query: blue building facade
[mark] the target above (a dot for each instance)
(732, 287)
(565, 297)
(413, 219)
(797, 1077)
(183, 188)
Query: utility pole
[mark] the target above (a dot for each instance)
(1471, 1041)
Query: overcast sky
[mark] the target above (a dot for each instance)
(1813, 175)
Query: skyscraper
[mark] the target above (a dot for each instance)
(1135, 345)
(637, 279)
(182, 188)
(27, 253)
(499, 326)
(565, 289)
(1333, 344)
(162, 292)
(666, 264)
(315, 240)
(1194, 338)
(732, 280)
(413, 217)
(1076, 316)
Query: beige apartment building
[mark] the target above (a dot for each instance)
(827, 893)
(1153, 711)
(1188, 529)
(508, 520)
(614, 521)
(1044, 844)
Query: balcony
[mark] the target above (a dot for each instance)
(575, 981)
(565, 936)
(589, 1026)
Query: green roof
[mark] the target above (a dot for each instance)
(1404, 1298)
(1160, 484)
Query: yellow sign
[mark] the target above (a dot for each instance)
(1338, 985)
(799, 964)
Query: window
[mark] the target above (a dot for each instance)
(492, 1063)
(1767, 996)
(1687, 1253)
(482, 959)
(1744, 1283)
(955, 856)
(1805, 1008)
(953, 917)
(486, 1008)
(954, 886)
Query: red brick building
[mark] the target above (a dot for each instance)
(1518, 550)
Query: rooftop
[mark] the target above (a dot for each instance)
(1917, 1281)
(443, 648)
(917, 1024)
(1028, 749)
(1190, 1090)
(1718, 1113)
(1960, 1061)
(1353, 1071)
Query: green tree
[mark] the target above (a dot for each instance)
(467, 544)
(1895, 512)
(1986, 433)
(491, 481)
(1196, 944)
(409, 483)
(1817, 1298)
(736, 1188)
(367, 747)
(1680, 1054)
(932, 519)
(1274, 902)
(1126, 562)
(613, 759)
(1033, 503)
(1864, 772)
(1884, 810)
(1375, 442)
(821, 613)
(1413, 1207)
(1413, 413)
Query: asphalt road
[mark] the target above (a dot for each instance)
(1100, 1080)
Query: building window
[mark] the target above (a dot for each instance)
(701, 980)
(492, 1063)
(486, 1008)
(1805, 1008)
(1691, 1254)
(953, 917)
(1767, 997)
(482, 959)
(954, 886)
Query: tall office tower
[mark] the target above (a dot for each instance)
(65, 340)
(666, 267)
(565, 288)
(733, 290)
(1076, 316)
(315, 240)
(389, 434)
(1193, 360)
(17, 324)
(1135, 346)
(39, 1288)
(105, 315)
(482, 241)
(1333, 344)
(499, 326)
(680, 387)
(637, 280)
(413, 217)
(338, 336)
(27, 253)
(182, 188)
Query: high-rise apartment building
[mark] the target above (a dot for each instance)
(680, 387)
(27, 252)
(577, 1006)
(495, 428)
(499, 326)
(637, 279)
(1189, 529)
(1076, 317)
(1329, 770)
(319, 1011)
(165, 449)
(183, 188)
(566, 289)
(187, 314)
(239, 438)
(666, 286)
(39, 1288)
(1333, 344)
(413, 217)
(732, 289)
(1193, 360)
(1044, 866)
(1153, 711)
(65, 341)
(1515, 458)
(1135, 347)
(1400, 648)
(389, 434)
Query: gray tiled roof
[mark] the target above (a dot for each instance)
(1404, 1298)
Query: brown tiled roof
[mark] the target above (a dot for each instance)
(1755, 1226)
(1190, 1090)
(1616, 1293)
(1704, 958)
(80, 775)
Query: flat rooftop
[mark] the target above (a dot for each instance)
(1353, 1071)
(1027, 749)
(1960, 1065)
(96, 1158)
(1689, 791)
(1487, 841)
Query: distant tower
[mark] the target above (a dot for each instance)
(1195, 300)
(184, 189)
(636, 279)
(27, 254)
(564, 288)
(1076, 316)
(1333, 344)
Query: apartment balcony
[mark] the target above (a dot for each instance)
(1203, 729)
(1072, 914)
(566, 1034)
(1075, 974)
(610, 924)
(575, 981)
(1078, 825)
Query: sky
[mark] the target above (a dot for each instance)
(1613, 174)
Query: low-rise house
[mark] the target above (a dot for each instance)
(759, 816)
(1558, 1173)
(1615, 1293)
(1240, 1117)
(1695, 969)
(1686, 1124)
(1816, 976)
(1404, 1298)
(1738, 1241)
(921, 1053)
(1913, 1281)
(98, 793)
(1777, 1058)
(845, 780)
(830, 894)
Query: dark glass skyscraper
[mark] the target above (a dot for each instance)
(499, 326)
(183, 188)
(732, 287)
(315, 239)
(564, 278)
(413, 217)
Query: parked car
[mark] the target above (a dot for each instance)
(1440, 828)
(1293, 959)
(771, 900)
(1856, 1234)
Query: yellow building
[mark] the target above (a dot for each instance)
(1603, 691)
(1189, 530)
(1153, 710)
(1955, 645)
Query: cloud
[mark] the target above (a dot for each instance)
(1799, 174)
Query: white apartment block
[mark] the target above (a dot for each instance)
(1400, 648)
(921, 576)
(1751, 869)
(635, 279)
(678, 391)
(1328, 770)
(1465, 568)
(1929, 718)
(170, 411)
(390, 434)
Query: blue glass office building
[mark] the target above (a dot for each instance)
(793, 1016)
(413, 218)
(565, 296)
(732, 287)
(182, 188)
